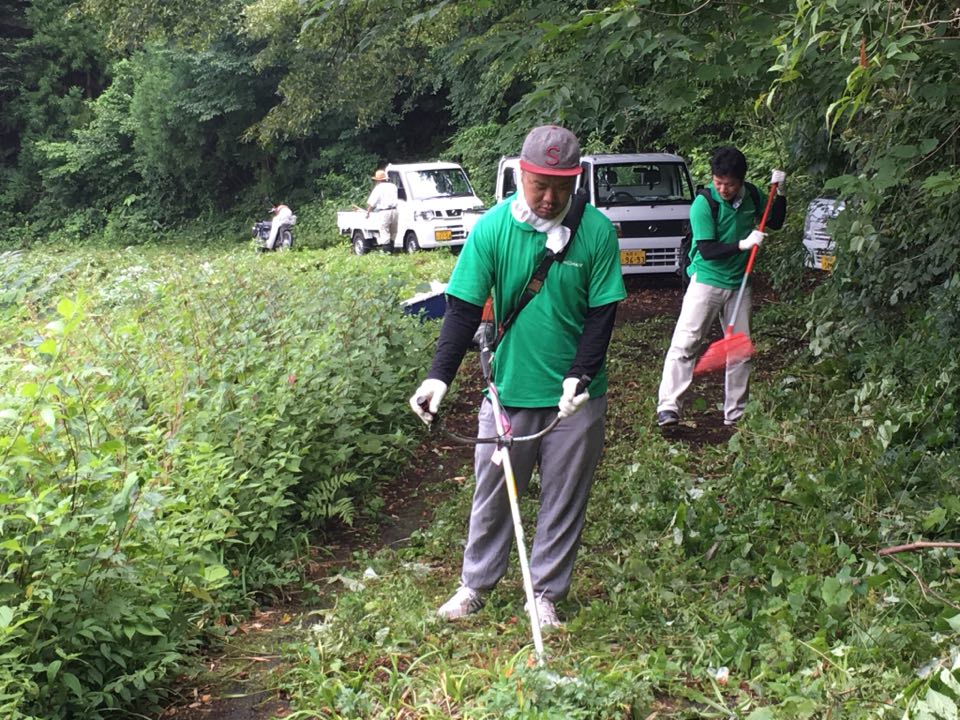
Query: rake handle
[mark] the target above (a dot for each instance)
(750, 260)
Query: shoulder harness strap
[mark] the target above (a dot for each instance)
(572, 221)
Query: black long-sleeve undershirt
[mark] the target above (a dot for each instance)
(461, 319)
(592, 349)
(460, 322)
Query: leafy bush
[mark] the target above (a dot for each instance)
(164, 437)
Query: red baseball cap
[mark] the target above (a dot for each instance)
(551, 150)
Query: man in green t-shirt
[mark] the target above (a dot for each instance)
(718, 259)
(560, 336)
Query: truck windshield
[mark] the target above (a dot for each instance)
(632, 183)
(446, 182)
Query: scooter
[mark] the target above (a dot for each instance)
(284, 238)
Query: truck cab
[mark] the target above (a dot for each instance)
(436, 207)
(646, 196)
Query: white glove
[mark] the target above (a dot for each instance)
(754, 238)
(779, 178)
(430, 393)
(570, 402)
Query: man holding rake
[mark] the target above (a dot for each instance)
(539, 365)
(723, 220)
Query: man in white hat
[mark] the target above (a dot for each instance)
(383, 200)
(561, 336)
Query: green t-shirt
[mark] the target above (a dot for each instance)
(733, 225)
(538, 349)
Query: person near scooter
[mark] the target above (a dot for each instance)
(383, 201)
(718, 259)
(282, 215)
(561, 336)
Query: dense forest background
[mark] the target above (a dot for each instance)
(176, 420)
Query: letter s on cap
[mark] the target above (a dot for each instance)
(553, 155)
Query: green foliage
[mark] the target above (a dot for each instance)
(168, 431)
(47, 71)
(741, 580)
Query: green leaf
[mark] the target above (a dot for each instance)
(6, 616)
(214, 573)
(52, 670)
(942, 706)
(934, 518)
(942, 184)
(11, 545)
(71, 681)
(48, 416)
(28, 390)
(761, 714)
(66, 308)
(835, 593)
(48, 347)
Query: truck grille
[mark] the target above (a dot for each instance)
(652, 228)
(662, 257)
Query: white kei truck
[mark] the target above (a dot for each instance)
(647, 197)
(821, 251)
(436, 207)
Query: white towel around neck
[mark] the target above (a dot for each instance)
(558, 234)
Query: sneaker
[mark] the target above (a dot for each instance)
(465, 601)
(546, 612)
(667, 417)
(731, 422)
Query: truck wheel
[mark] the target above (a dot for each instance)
(360, 245)
(285, 240)
(410, 243)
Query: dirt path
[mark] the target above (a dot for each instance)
(241, 680)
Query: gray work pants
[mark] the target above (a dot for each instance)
(703, 305)
(567, 458)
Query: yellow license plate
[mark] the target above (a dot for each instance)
(633, 257)
(827, 261)
(442, 235)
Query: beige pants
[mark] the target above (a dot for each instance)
(702, 305)
(388, 226)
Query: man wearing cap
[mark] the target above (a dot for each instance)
(383, 200)
(560, 336)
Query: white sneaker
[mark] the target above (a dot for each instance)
(546, 612)
(465, 601)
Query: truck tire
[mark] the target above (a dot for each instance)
(361, 246)
(410, 244)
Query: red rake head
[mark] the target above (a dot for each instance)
(730, 349)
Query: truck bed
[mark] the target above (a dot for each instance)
(350, 220)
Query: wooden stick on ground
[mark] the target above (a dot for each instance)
(917, 546)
